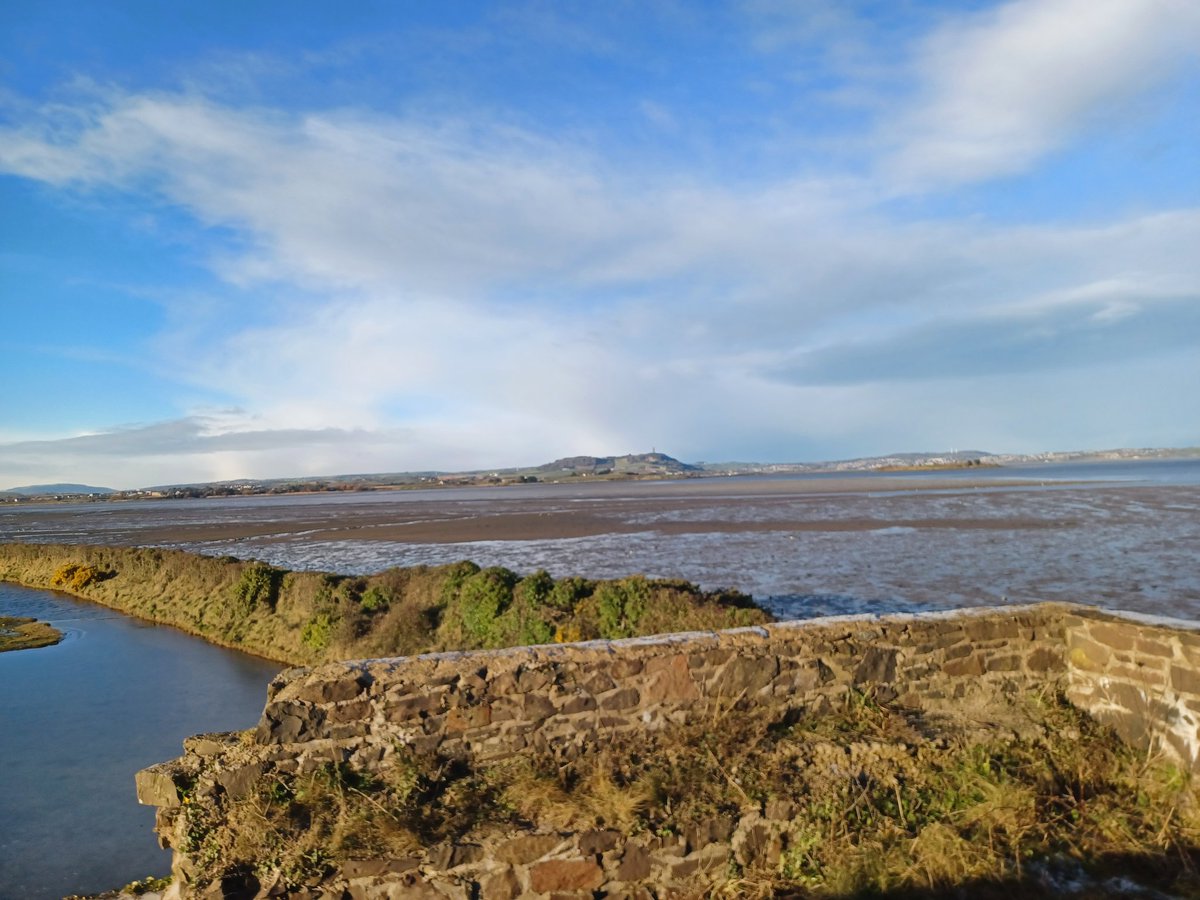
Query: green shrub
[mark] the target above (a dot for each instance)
(456, 575)
(259, 585)
(484, 596)
(374, 600)
(620, 605)
(318, 631)
(567, 592)
(535, 630)
(534, 590)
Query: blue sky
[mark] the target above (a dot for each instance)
(277, 239)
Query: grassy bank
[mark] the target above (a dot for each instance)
(311, 617)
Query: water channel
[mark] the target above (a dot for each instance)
(78, 719)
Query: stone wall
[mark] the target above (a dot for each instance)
(567, 699)
(1139, 674)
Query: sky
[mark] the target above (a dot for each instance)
(277, 239)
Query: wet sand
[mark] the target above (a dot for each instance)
(540, 512)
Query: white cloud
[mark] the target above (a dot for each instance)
(459, 294)
(1003, 87)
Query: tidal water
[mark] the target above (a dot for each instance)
(80, 718)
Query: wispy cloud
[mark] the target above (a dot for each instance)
(1002, 88)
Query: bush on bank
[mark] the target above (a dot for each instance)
(311, 617)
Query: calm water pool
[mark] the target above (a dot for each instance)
(80, 718)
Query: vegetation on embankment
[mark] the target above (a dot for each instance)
(861, 799)
(20, 633)
(311, 617)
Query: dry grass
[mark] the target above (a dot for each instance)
(575, 797)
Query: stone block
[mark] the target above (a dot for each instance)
(1086, 654)
(565, 875)
(407, 887)
(570, 704)
(593, 843)
(366, 868)
(210, 744)
(537, 707)
(451, 856)
(1118, 637)
(533, 680)
(958, 651)
(1009, 662)
(505, 709)
(625, 668)
(406, 708)
(502, 685)
(284, 729)
(353, 711)
(709, 859)
(482, 733)
(527, 848)
(744, 676)
(1148, 647)
(670, 681)
(501, 884)
(715, 830)
(970, 665)
(156, 786)
(757, 842)
(599, 683)
(775, 809)
(465, 717)
(634, 865)
(1188, 639)
(623, 698)
(433, 724)
(991, 629)
(630, 892)
(711, 659)
(1046, 659)
(1155, 678)
(240, 781)
(336, 690)
(1185, 679)
(877, 666)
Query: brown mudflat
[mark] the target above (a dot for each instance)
(546, 512)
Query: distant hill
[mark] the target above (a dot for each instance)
(630, 464)
(43, 490)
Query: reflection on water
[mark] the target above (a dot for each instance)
(80, 719)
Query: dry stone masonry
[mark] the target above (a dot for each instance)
(1142, 675)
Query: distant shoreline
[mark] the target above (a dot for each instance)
(582, 470)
